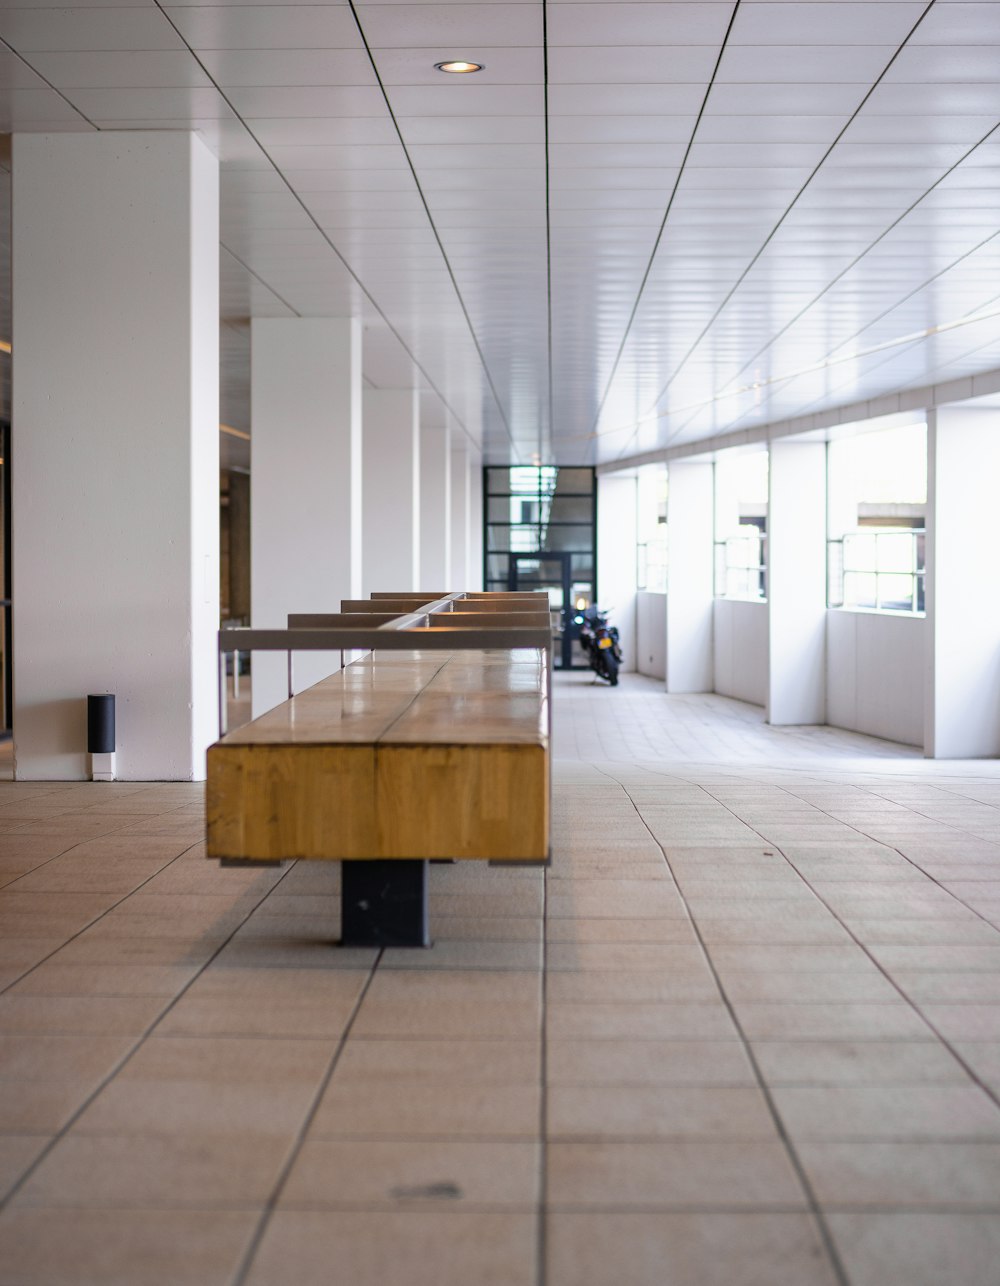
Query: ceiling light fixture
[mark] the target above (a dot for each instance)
(459, 67)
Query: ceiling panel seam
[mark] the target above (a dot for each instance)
(794, 201)
(434, 229)
(874, 321)
(35, 72)
(347, 267)
(257, 277)
(548, 228)
(867, 250)
(663, 222)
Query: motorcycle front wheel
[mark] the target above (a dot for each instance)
(611, 670)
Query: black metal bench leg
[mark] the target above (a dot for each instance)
(384, 904)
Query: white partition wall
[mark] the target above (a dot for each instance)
(796, 583)
(116, 485)
(475, 568)
(616, 558)
(962, 699)
(305, 478)
(690, 589)
(435, 508)
(459, 518)
(390, 431)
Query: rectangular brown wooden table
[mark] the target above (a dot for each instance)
(400, 758)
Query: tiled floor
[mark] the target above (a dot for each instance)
(744, 1032)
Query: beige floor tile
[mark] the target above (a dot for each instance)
(425, 1110)
(466, 955)
(429, 1174)
(292, 986)
(87, 875)
(857, 1062)
(689, 983)
(983, 1056)
(207, 926)
(122, 1248)
(40, 1107)
(25, 952)
(964, 1022)
(844, 986)
(648, 1062)
(198, 1108)
(45, 1056)
(464, 928)
(906, 1113)
(55, 979)
(937, 1176)
(264, 1016)
(119, 1172)
(653, 1021)
(17, 1153)
(737, 960)
(318, 952)
(594, 1249)
(390, 1249)
(918, 1249)
(79, 1015)
(860, 1021)
(89, 949)
(616, 1112)
(456, 1062)
(650, 1176)
(459, 1019)
(564, 956)
(675, 932)
(772, 932)
(222, 1059)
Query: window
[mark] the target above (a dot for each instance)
(651, 524)
(877, 504)
(741, 481)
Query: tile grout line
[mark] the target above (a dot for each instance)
(127, 1058)
(543, 1103)
(815, 1209)
(97, 918)
(991, 1094)
(271, 1205)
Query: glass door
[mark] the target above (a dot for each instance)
(568, 596)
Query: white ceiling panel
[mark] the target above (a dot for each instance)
(700, 236)
(30, 30)
(264, 26)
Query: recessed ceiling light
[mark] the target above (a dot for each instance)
(459, 67)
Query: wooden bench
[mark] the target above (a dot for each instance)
(411, 754)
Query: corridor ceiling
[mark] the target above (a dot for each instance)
(641, 224)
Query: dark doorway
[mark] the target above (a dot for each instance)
(553, 573)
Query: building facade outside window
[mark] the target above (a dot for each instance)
(877, 501)
(741, 480)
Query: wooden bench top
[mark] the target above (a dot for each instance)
(400, 755)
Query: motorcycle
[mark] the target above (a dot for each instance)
(600, 641)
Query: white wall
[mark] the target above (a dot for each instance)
(651, 634)
(616, 558)
(390, 433)
(435, 509)
(116, 482)
(741, 649)
(875, 674)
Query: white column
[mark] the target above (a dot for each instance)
(796, 583)
(390, 431)
(962, 698)
(690, 577)
(305, 484)
(617, 558)
(435, 509)
(115, 415)
(459, 518)
(475, 568)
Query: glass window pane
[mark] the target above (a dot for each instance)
(576, 481)
(571, 509)
(896, 592)
(497, 567)
(497, 481)
(578, 538)
(860, 589)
